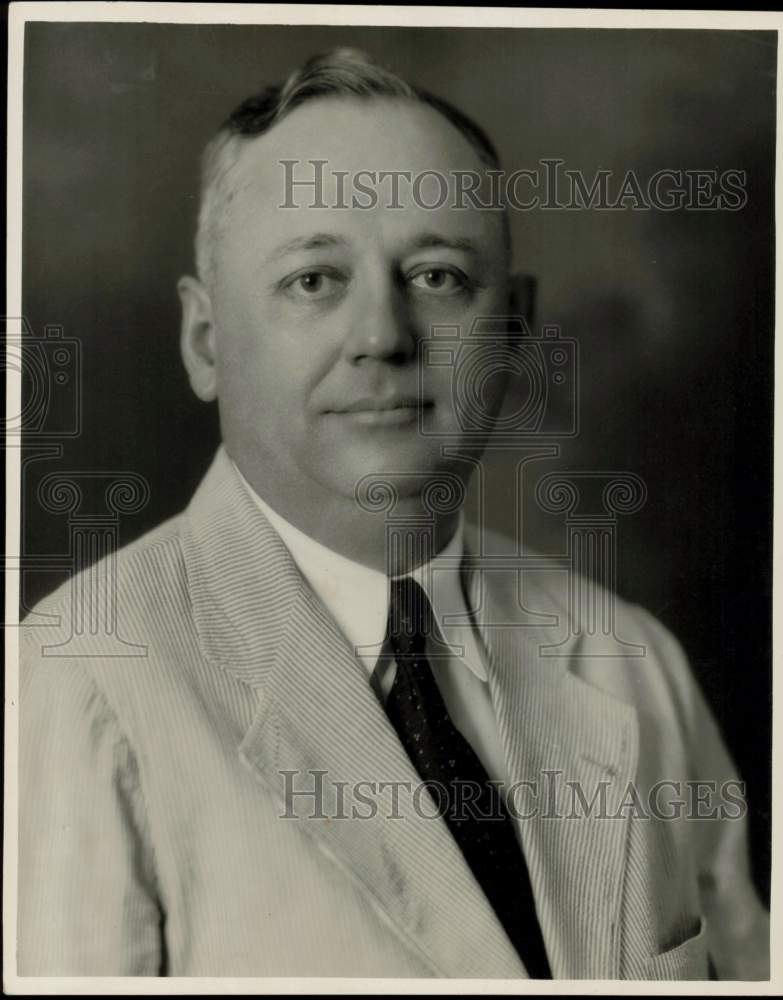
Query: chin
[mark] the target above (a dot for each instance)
(381, 479)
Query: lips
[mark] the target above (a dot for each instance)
(379, 404)
(393, 409)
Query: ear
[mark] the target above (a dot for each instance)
(197, 338)
(522, 296)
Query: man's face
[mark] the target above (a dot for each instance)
(319, 313)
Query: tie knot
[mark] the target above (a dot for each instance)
(410, 618)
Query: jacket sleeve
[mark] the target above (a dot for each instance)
(737, 922)
(87, 904)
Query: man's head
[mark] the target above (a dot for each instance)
(306, 322)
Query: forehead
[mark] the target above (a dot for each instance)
(378, 144)
(376, 133)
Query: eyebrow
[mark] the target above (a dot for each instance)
(424, 241)
(317, 241)
(435, 240)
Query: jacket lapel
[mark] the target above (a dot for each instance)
(317, 713)
(560, 734)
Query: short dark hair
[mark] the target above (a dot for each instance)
(341, 72)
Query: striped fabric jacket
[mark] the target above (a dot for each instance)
(157, 837)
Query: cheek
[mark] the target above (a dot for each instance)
(269, 372)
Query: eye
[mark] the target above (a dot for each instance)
(312, 285)
(439, 281)
(312, 282)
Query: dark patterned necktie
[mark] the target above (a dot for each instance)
(471, 806)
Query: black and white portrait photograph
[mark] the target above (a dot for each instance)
(389, 454)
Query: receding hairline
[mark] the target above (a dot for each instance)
(241, 143)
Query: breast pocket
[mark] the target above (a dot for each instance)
(688, 960)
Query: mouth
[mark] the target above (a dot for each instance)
(384, 411)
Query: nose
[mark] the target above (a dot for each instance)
(382, 328)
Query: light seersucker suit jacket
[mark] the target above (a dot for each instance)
(153, 837)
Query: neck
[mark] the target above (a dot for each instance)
(392, 542)
(395, 547)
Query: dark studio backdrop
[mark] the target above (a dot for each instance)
(672, 310)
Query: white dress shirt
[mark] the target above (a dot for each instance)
(357, 597)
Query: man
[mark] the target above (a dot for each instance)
(220, 805)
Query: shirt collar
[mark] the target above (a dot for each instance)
(357, 596)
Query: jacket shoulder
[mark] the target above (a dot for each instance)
(609, 642)
(128, 595)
